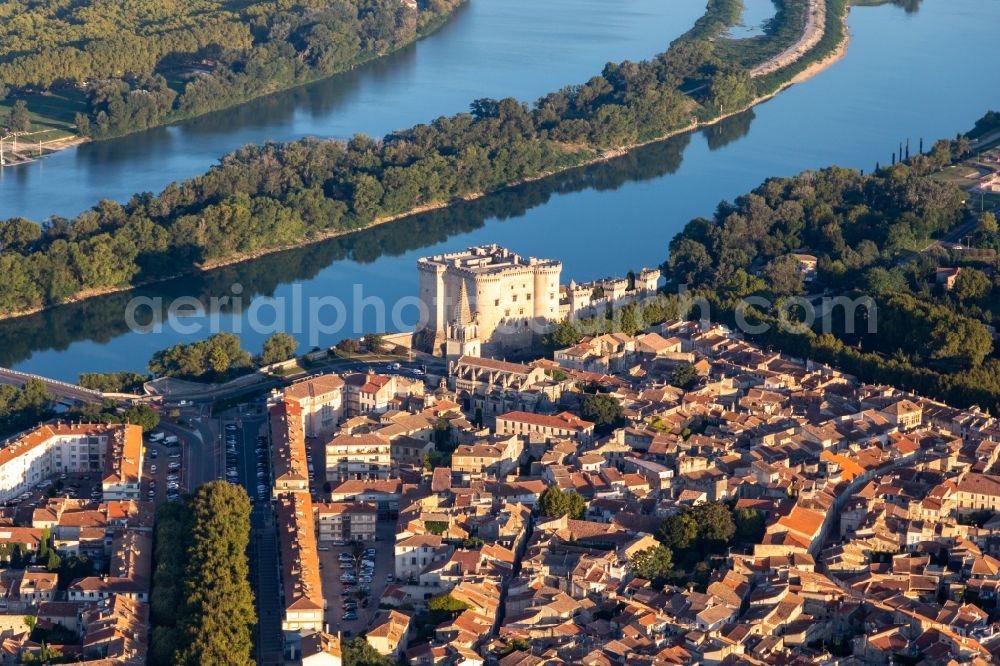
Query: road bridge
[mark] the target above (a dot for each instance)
(70, 394)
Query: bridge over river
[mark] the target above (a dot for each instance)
(68, 394)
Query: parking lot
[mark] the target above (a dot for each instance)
(163, 474)
(75, 486)
(316, 458)
(247, 458)
(344, 597)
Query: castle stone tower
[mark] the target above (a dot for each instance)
(509, 297)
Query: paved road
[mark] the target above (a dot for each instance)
(202, 449)
(263, 551)
(65, 392)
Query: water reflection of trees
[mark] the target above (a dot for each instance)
(909, 6)
(101, 319)
(726, 131)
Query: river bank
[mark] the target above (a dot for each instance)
(602, 220)
(26, 156)
(577, 161)
(27, 152)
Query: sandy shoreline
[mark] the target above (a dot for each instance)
(28, 152)
(606, 156)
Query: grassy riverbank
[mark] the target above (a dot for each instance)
(265, 199)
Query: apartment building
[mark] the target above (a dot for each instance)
(301, 586)
(129, 573)
(368, 393)
(416, 552)
(122, 464)
(346, 521)
(288, 448)
(112, 449)
(364, 456)
(321, 403)
(383, 494)
(977, 492)
(563, 425)
(389, 633)
(496, 457)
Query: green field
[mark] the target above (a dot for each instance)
(51, 113)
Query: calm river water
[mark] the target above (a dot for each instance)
(906, 75)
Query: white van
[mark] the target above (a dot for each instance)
(170, 439)
(156, 437)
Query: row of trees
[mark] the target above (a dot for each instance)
(216, 358)
(202, 606)
(113, 382)
(214, 55)
(279, 194)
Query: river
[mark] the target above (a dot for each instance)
(906, 74)
(490, 48)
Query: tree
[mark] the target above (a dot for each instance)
(679, 531)
(603, 410)
(883, 281)
(971, 285)
(653, 564)
(630, 319)
(988, 222)
(566, 333)
(684, 377)
(359, 652)
(277, 348)
(74, 568)
(784, 277)
(218, 616)
(142, 415)
(555, 502)
(349, 345)
(715, 522)
(112, 382)
(376, 343)
(515, 645)
(749, 525)
(219, 355)
(18, 118)
(447, 603)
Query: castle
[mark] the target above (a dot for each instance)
(487, 300)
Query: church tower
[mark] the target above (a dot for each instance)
(462, 338)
